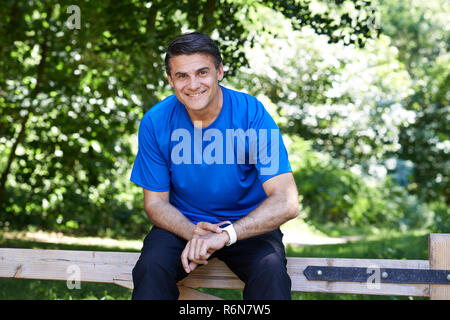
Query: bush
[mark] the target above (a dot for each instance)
(441, 219)
(331, 193)
(113, 212)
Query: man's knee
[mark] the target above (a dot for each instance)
(271, 266)
(160, 256)
(148, 267)
(155, 278)
(157, 270)
(269, 279)
(157, 266)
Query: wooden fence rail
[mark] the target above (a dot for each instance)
(116, 267)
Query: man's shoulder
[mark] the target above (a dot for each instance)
(240, 96)
(159, 115)
(248, 107)
(162, 109)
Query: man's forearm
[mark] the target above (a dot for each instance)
(269, 215)
(164, 215)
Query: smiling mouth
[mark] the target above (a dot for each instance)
(196, 94)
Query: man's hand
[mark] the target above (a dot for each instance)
(203, 228)
(206, 239)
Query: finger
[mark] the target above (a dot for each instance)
(201, 229)
(198, 231)
(188, 264)
(184, 258)
(196, 249)
(192, 266)
(191, 254)
(200, 244)
(203, 254)
(206, 226)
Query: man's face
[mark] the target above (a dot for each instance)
(195, 80)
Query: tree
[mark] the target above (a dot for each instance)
(383, 108)
(70, 98)
(345, 99)
(419, 30)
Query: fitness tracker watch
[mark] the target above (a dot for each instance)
(231, 233)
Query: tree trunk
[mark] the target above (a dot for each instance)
(23, 123)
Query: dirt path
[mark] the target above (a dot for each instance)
(296, 239)
(292, 237)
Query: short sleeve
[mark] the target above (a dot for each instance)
(150, 169)
(272, 156)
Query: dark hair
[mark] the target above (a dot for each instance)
(190, 43)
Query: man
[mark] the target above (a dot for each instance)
(211, 189)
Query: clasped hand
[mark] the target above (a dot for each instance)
(207, 238)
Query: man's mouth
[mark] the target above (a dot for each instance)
(193, 95)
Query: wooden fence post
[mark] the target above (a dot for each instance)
(439, 256)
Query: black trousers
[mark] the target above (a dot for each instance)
(259, 261)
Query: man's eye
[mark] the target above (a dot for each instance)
(181, 76)
(203, 73)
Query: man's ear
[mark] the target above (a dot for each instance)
(170, 79)
(220, 72)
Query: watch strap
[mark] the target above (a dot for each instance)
(231, 233)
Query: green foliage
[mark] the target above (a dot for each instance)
(441, 221)
(71, 99)
(387, 102)
(419, 30)
(332, 194)
(346, 100)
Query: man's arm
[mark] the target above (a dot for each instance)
(280, 206)
(164, 215)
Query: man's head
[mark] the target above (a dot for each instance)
(190, 43)
(194, 68)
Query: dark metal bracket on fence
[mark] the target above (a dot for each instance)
(373, 274)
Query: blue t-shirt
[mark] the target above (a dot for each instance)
(213, 173)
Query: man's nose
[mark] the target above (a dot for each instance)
(194, 84)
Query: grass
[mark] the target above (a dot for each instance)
(25, 289)
(412, 245)
(384, 245)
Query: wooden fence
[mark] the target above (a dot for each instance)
(116, 267)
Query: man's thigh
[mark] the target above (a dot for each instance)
(260, 262)
(252, 255)
(163, 249)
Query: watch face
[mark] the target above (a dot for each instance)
(225, 225)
